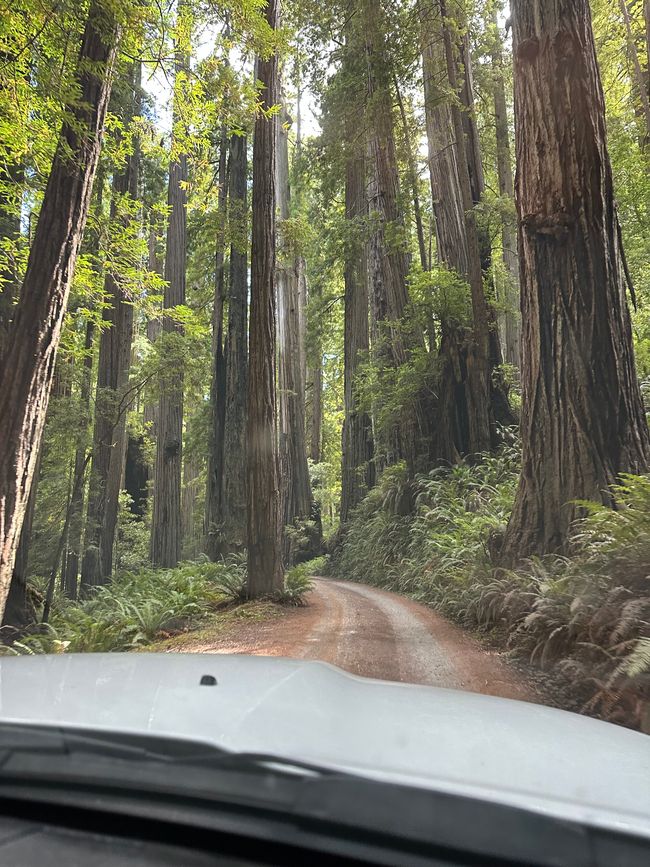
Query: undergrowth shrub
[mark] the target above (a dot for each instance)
(585, 618)
(136, 607)
(297, 581)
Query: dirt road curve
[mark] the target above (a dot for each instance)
(378, 634)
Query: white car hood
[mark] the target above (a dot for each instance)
(526, 755)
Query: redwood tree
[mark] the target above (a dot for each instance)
(357, 470)
(264, 544)
(583, 421)
(109, 431)
(290, 275)
(27, 363)
(166, 528)
(233, 483)
(213, 524)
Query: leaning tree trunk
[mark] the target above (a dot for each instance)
(233, 492)
(166, 529)
(27, 363)
(583, 422)
(19, 610)
(357, 471)
(264, 536)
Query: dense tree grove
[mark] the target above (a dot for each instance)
(255, 262)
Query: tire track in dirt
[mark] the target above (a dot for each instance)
(373, 633)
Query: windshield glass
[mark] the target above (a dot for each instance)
(324, 336)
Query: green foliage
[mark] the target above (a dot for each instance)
(297, 581)
(440, 293)
(135, 608)
(230, 577)
(132, 537)
(585, 617)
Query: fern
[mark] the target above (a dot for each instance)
(638, 662)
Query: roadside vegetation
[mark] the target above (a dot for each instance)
(144, 606)
(583, 618)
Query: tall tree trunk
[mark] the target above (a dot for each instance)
(388, 257)
(166, 529)
(233, 495)
(315, 379)
(213, 506)
(72, 560)
(639, 79)
(27, 363)
(462, 416)
(294, 472)
(109, 434)
(413, 177)
(11, 176)
(470, 397)
(646, 18)
(191, 487)
(583, 421)
(357, 472)
(20, 611)
(500, 412)
(471, 187)
(511, 321)
(264, 536)
(154, 327)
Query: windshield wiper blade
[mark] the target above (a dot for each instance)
(29, 738)
(60, 740)
(267, 761)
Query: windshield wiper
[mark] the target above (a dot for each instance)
(59, 740)
(28, 738)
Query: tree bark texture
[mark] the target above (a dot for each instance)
(264, 537)
(214, 482)
(583, 422)
(10, 231)
(290, 274)
(19, 610)
(166, 529)
(233, 495)
(72, 560)
(413, 176)
(388, 257)
(511, 319)
(109, 433)
(315, 379)
(462, 422)
(154, 328)
(28, 361)
(357, 472)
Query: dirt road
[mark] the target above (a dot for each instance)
(374, 633)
